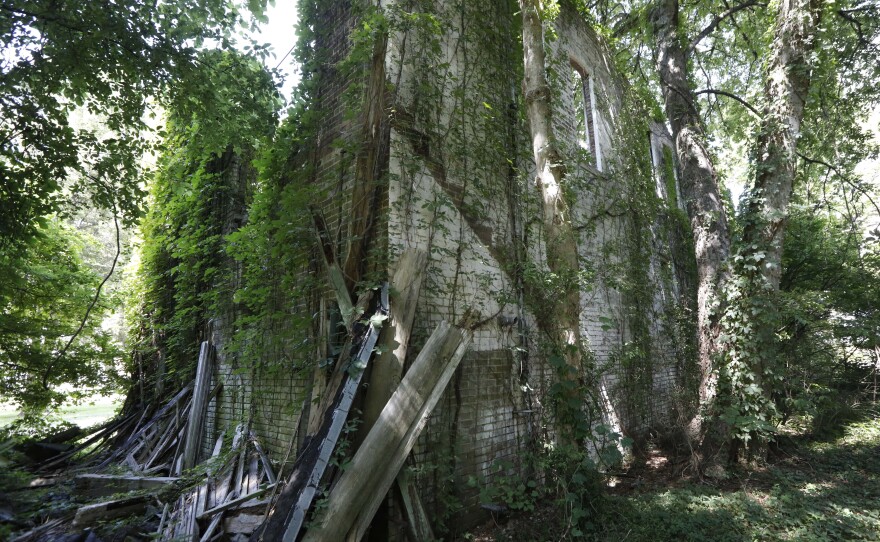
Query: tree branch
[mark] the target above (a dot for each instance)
(745, 104)
(719, 19)
(845, 178)
(91, 306)
(855, 24)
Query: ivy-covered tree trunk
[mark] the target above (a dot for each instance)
(561, 320)
(785, 93)
(751, 320)
(699, 185)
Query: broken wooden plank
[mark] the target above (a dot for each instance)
(102, 485)
(328, 395)
(100, 435)
(418, 522)
(253, 478)
(49, 526)
(235, 502)
(164, 518)
(222, 489)
(296, 499)
(138, 434)
(331, 265)
(371, 163)
(103, 511)
(363, 485)
(388, 368)
(132, 463)
(164, 443)
(211, 467)
(199, 404)
(267, 465)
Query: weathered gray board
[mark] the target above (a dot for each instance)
(406, 285)
(103, 485)
(362, 487)
(104, 511)
(417, 519)
(140, 432)
(199, 404)
(334, 272)
(387, 370)
(296, 499)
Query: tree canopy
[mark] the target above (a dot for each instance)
(113, 59)
(119, 64)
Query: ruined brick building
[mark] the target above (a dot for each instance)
(423, 145)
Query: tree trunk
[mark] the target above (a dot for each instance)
(785, 92)
(699, 186)
(561, 319)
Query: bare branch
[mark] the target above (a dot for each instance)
(744, 103)
(91, 306)
(856, 25)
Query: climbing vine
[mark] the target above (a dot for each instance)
(452, 175)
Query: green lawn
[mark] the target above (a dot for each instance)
(90, 412)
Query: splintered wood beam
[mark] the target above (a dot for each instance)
(416, 517)
(331, 265)
(324, 397)
(365, 193)
(201, 392)
(139, 433)
(362, 487)
(297, 516)
(387, 370)
(267, 465)
(235, 502)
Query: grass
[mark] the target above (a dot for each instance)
(92, 411)
(827, 491)
(815, 490)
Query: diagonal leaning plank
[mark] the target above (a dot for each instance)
(363, 485)
(296, 498)
(199, 404)
(406, 284)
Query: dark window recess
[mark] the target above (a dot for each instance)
(584, 108)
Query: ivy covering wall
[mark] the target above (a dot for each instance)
(229, 247)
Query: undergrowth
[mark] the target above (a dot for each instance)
(816, 489)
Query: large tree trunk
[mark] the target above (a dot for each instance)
(785, 92)
(699, 185)
(560, 321)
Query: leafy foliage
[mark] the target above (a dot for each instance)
(110, 59)
(42, 299)
(199, 195)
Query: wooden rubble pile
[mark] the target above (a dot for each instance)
(236, 480)
(236, 493)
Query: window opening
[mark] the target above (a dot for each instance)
(586, 118)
